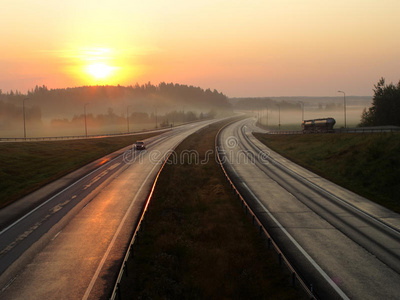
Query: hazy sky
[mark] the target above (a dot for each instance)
(241, 48)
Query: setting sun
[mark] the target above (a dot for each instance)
(99, 70)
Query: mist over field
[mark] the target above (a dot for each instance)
(291, 109)
(61, 112)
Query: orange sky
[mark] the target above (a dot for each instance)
(241, 48)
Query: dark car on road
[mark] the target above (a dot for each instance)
(140, 145)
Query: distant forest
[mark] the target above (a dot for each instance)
(106, 104)
(262, 103)
(290, 103)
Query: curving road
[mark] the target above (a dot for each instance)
(345, 246)
(71, 245)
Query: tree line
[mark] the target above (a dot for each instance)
(68, 103)
(111, 119)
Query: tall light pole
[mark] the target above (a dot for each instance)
(156, 116)
(23, 113)
(344, 104)
(84, 110)
(127, 116)
(279, 122)
(302, 110)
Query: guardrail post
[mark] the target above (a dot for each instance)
(126, 268)
(119, 291)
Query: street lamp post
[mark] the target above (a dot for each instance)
(23, 113)
(127, 116)
(84, 110)
(344, 104)
(156, 117)
(302, 110)
(279, 122)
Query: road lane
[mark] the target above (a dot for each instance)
(354, 241)
(79, 237)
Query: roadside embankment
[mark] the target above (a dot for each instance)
(367, 164)
(27, 166)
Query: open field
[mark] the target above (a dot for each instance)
(368, 164)
(27, 166)
(197, 243)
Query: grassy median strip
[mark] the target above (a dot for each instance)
(368, 164)
(27, 166)
(197, 242)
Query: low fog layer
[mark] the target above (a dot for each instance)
(61, 112)
(292, 110)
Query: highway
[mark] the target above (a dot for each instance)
(70, 246)
(345, 246)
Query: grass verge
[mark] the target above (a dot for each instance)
(198, 243)
(27, 166)
(368, 164)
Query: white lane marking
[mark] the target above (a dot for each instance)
(100, 266)
(9, 283)
(35, 226)
(103, 260)
(309, 258)
(56, 195)
(56, 235)
(306, 181)
(98, 177)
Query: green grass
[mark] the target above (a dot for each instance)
(27, 166)
(198, 243)
(368, 164)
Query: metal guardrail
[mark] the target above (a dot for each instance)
(285, 132)
(342, 130)
(367, 130)
(71, 137)
(282, 259)
(124, 267)
(271, 243)
(76, 137)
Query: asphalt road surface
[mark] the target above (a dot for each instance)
(346, 246)
(71, 245)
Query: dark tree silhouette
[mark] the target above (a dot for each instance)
(385, 109)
